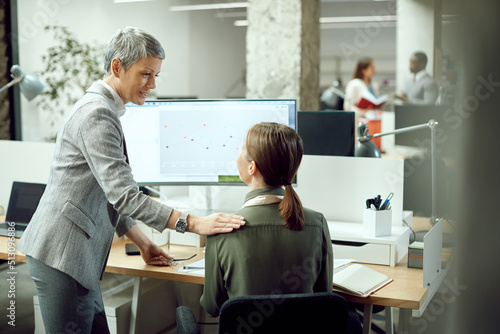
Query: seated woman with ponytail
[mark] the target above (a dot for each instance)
(283, 248)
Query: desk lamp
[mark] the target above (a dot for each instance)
(365, 148)
(30, 86)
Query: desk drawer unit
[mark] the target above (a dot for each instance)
(363, 252)
(349, 242)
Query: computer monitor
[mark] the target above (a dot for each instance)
(327, 132)
(195, 142)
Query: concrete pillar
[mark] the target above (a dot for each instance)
(418, 29)
(283, 51)
(4, 76)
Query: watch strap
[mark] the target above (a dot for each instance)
(184, 216)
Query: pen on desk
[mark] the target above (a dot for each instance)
(192, 267)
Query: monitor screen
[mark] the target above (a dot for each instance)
(195, 142)
(327, 132)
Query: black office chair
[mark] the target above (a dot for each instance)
(293, 313)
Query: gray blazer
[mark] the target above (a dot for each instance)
(90, 193)
(424, 91)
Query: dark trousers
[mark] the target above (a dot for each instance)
(66, 306)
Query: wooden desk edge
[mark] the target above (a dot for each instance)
(136, 267)
(170, 273)
(111, 267)
(385, 301)
(177, 277)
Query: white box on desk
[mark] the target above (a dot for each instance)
(377, 223)
(349, 242)
(187, 239)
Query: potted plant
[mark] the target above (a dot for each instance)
(69, 68)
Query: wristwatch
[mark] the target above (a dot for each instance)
(181, 224)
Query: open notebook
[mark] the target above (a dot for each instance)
(359, 280)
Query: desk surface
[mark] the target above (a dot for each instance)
(405, 291)
(120, 263)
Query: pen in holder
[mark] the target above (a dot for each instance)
(377, 223)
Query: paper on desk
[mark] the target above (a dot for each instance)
(341, 262)
(196, 268)
(338, 264)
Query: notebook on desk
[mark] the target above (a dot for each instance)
(24, 199)
(358, 280)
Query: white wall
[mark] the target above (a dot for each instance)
(342, 47)
(217, 57)
(216, 52)
(28, 162)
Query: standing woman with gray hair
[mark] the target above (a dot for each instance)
(91, 194)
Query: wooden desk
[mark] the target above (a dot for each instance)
(120, 263)
(405, 291)
(4, 246)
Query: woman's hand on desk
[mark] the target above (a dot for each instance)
(150, 252)
(215, 223)
(154, 255)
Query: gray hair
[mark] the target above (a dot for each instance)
(129, 45)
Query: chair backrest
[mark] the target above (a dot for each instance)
(292, 313)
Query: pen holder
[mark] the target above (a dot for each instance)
(377, 223)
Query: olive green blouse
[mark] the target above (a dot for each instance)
(265, 257)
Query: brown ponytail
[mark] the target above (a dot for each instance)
(277, 151)
(291, 210)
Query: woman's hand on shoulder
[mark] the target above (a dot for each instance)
(215, 223)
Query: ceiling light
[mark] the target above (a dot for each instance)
(123, 1)
(241, 23)
(353, 19)
(225, 5)
(341, 19)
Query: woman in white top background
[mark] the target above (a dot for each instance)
(360, 85)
